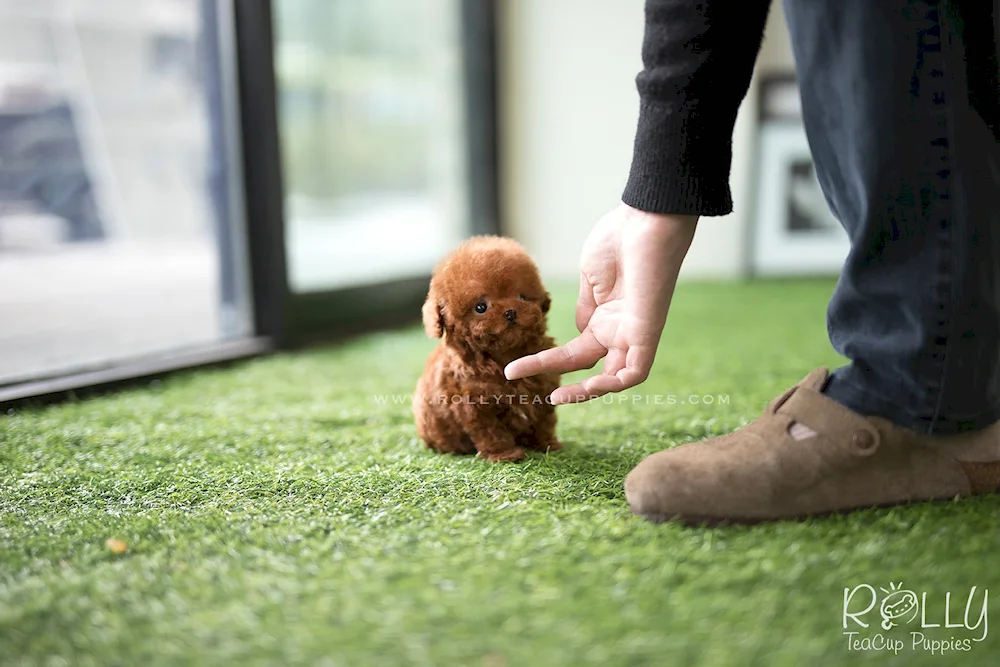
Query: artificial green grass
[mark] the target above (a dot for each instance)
(278, 513)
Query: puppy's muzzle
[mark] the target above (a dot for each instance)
(510, 315)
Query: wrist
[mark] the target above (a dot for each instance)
(673, 225)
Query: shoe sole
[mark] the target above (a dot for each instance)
(695, 520)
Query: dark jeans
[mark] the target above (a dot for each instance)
(900, 101)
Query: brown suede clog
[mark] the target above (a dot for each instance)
(761, 473)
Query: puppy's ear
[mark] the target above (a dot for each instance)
(433, 314)
(546, 302)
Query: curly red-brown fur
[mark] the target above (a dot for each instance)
(463, 403)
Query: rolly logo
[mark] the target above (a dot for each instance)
(898, 606)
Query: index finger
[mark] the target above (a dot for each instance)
(582, 352)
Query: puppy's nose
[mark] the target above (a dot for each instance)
(511, 315)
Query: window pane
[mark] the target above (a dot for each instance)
(373, 138)
(116, 198)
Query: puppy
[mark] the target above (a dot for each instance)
(487, 304)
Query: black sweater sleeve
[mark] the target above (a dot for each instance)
(698, 58)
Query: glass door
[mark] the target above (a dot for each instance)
(121, 230)
(375, 126)
(189, 181)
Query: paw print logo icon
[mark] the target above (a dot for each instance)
(898, 606)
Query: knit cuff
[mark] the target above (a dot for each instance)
(680, 163)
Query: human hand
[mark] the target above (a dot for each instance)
(628, 271)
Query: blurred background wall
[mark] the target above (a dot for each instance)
(568, 114)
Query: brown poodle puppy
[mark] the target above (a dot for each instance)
(488, 305)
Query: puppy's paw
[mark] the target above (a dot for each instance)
(552, 445)
(531, 442)
(452, 445)
(504, 456)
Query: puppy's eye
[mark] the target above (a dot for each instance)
(524, 298)
(481, 307)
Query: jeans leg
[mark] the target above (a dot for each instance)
(902, 125)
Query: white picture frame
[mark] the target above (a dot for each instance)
(795, 233)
